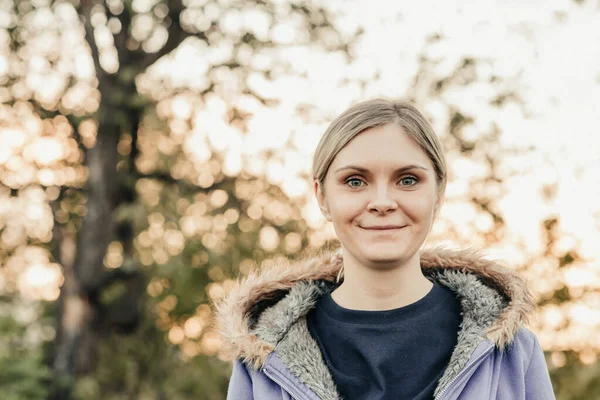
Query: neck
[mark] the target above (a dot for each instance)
(372, 289)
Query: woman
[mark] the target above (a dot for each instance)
(380, 318)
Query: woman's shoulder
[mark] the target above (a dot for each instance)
(257, 310)
(524, 338)
(524, 345)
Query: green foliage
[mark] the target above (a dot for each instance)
(575, 380)
(23, 376)
(145, 366)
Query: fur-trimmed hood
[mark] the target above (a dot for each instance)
(265, 311)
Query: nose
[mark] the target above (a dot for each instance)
(382, 203)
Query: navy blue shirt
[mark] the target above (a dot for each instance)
(393, 354)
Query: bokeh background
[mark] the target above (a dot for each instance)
(152, 151)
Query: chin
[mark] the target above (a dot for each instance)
(380, 255)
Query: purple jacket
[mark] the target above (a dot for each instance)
(263, 328)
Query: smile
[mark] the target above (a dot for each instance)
(383, 229)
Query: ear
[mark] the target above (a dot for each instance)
(318, 190)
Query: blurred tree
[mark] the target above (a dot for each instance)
(152, 225)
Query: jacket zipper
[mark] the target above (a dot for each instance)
(439, 396)
(462, 372)
(280, 383)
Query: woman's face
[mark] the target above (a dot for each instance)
(381, 177)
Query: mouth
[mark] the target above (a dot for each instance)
(389, 228)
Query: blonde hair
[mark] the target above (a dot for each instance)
(370, 114)
(373, 113)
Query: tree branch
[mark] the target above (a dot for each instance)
(123, 35)
(176, 35)
(57, 236)
(86, 11)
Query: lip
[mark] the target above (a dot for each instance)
(383, 227)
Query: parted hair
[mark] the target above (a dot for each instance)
(373, 113)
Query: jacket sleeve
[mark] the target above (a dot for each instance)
(240, 383)
(537, 378)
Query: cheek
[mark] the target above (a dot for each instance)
(420, 207)
(346, 207)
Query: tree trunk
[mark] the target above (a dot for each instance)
(78, 306)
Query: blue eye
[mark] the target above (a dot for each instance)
(410, 178)
(353, 179)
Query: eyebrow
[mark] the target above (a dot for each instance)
(365, 171)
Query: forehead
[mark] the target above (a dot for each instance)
(380, 147)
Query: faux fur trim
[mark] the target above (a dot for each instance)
(260, 309)
(302, 355)
(481, 306)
